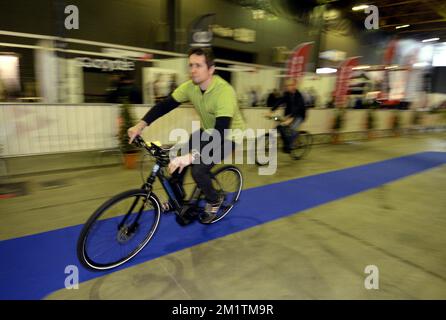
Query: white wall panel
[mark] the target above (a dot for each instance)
(39, 128)
(3, 136)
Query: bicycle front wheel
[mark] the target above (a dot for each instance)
(119, 229)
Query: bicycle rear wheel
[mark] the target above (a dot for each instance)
(302, 145)
(118, 230)
(228, 181)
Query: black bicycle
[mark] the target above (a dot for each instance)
(300, 148)
(121, 227)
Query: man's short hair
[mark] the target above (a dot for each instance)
(206, 52)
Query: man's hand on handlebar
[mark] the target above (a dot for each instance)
(180, 163)
(287, 121)
(136, 130)
(269, 114)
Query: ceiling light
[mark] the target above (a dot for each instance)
(430, 40)
(361, 67)
(360, 7)
(325, 70)
(421, 64)
(402, 26)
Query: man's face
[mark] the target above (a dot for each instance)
(199, 70)
(290, 86)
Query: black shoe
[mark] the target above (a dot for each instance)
(186, 216)
(211, 210)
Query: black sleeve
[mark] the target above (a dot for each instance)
(221, 123)
(160, 109)
(269, 101)
(278, 102)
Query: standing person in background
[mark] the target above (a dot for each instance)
(128, 91)
(112, 90)
(2, 91)
(254, 97)
(157, 88)
(173, 83)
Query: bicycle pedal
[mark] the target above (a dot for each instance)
(183, 221)
(166, 206)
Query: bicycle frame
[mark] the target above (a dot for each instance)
(158, 172)
(278, 120)
(302, 140)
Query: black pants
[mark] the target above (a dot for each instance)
(201, 172)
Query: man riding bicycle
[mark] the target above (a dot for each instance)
(295, 113)
(216, 103)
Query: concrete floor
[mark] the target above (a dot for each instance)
(320, 253)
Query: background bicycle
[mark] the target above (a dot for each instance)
(300, 148)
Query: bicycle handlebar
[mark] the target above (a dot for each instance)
(154, 148)
(275, 118)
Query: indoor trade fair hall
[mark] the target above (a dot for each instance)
(238, 150)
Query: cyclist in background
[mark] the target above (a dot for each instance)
(295, 113)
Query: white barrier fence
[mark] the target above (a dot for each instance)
(38, 129)
(30, 129)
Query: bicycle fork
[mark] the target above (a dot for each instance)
(148, 187)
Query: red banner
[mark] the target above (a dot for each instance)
(390, 52)
(387, 60)
(345, 71)
(297, 61)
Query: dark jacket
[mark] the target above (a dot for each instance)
(270, 102)
(294, 104)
